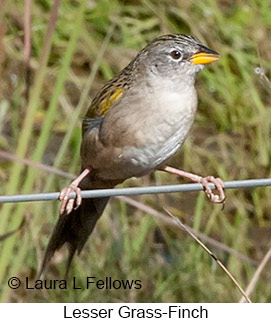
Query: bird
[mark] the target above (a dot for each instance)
(133, 126)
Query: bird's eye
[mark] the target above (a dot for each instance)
(175, 54)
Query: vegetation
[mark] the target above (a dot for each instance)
(90, 43)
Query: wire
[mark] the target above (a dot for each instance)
(134, 191)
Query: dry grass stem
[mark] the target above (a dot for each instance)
(179, 223)
(256, 275)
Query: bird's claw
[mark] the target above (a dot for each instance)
(67, 204)
(219, 184)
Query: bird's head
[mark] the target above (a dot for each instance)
(176, 57)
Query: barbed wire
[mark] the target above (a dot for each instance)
(250, 183)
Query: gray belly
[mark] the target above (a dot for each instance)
(163, 129)
(163, 142)
(164, 146)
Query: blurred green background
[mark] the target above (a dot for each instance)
(90, 43)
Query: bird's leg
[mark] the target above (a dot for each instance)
(220, 198)
(67, 204)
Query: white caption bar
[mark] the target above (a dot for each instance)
(131, 312)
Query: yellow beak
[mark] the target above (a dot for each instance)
(204, 58)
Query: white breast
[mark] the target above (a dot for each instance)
(156, 127)
(165, 131)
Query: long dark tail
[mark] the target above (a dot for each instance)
(74, 229)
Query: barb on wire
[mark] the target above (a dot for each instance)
(134, 191)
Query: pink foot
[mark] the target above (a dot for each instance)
(67, 204)
(219, 185)
(220, 198)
